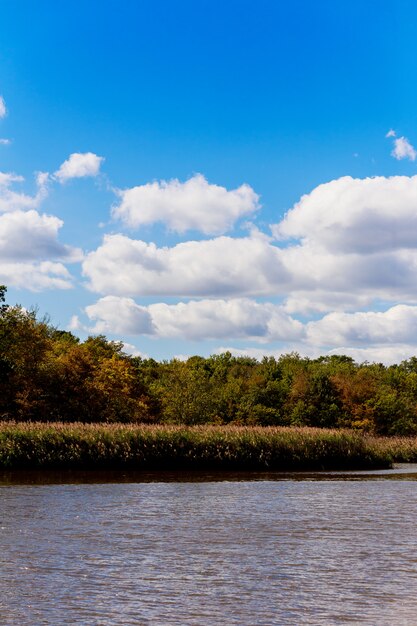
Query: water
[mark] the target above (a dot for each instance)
(206, 550)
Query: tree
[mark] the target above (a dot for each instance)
(3, 307)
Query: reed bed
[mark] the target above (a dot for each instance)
(168, 447)
(399, 449)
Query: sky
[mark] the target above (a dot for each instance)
(192, 177)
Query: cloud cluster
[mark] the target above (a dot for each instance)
(388, 335)
(356, 239)
(31, 255)
(339, 270)
(347, 243)
(192, 205)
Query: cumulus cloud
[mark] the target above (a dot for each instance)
(215, 267)
(3, 110)
(192, 205)
(397, 325)
(195, 320)
(30, 254)
(35, 276)
(386, 336)
(377, 336)
(120, 316)
(228, 267)
(390, 133)
(28, 235)
(79, 165)
(322, 300)
(346, 244)
(222, 318)
(354, 215)
(12, 200)
(343, 246)
(403, 149)
(352, 241)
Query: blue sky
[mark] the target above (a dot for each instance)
(176, 141)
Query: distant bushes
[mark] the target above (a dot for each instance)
(94, 446)
(49, 375)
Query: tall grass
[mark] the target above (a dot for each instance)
(75, 445)
(399, 449)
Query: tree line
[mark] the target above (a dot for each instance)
(47, 374)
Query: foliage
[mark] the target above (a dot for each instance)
(49, 375)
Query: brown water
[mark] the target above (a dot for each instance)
(339, 548)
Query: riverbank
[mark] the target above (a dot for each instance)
(169, 447)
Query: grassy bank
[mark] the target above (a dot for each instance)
(75, 445)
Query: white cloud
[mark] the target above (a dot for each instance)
(320, 300)
(390, 133)
(27, 235)
(7, 178)
(346, 244)
(35, 276)
(216, 267)
(355, 215)
(133, 351)
(192, 205)
(403, 149)
(387, 354)
(5, 142)
(313, 277)
(397, 325)
(119, 316)
(79, 165)
(29, 246)
(235, 318)
(195, 320)
(3, 110)
(376, 354)
(74, 323)
(388, 336)
(256, 352)
(355, 241)
(11, 200)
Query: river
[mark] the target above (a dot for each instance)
(209, 550)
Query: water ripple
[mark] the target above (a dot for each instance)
(209, 553)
